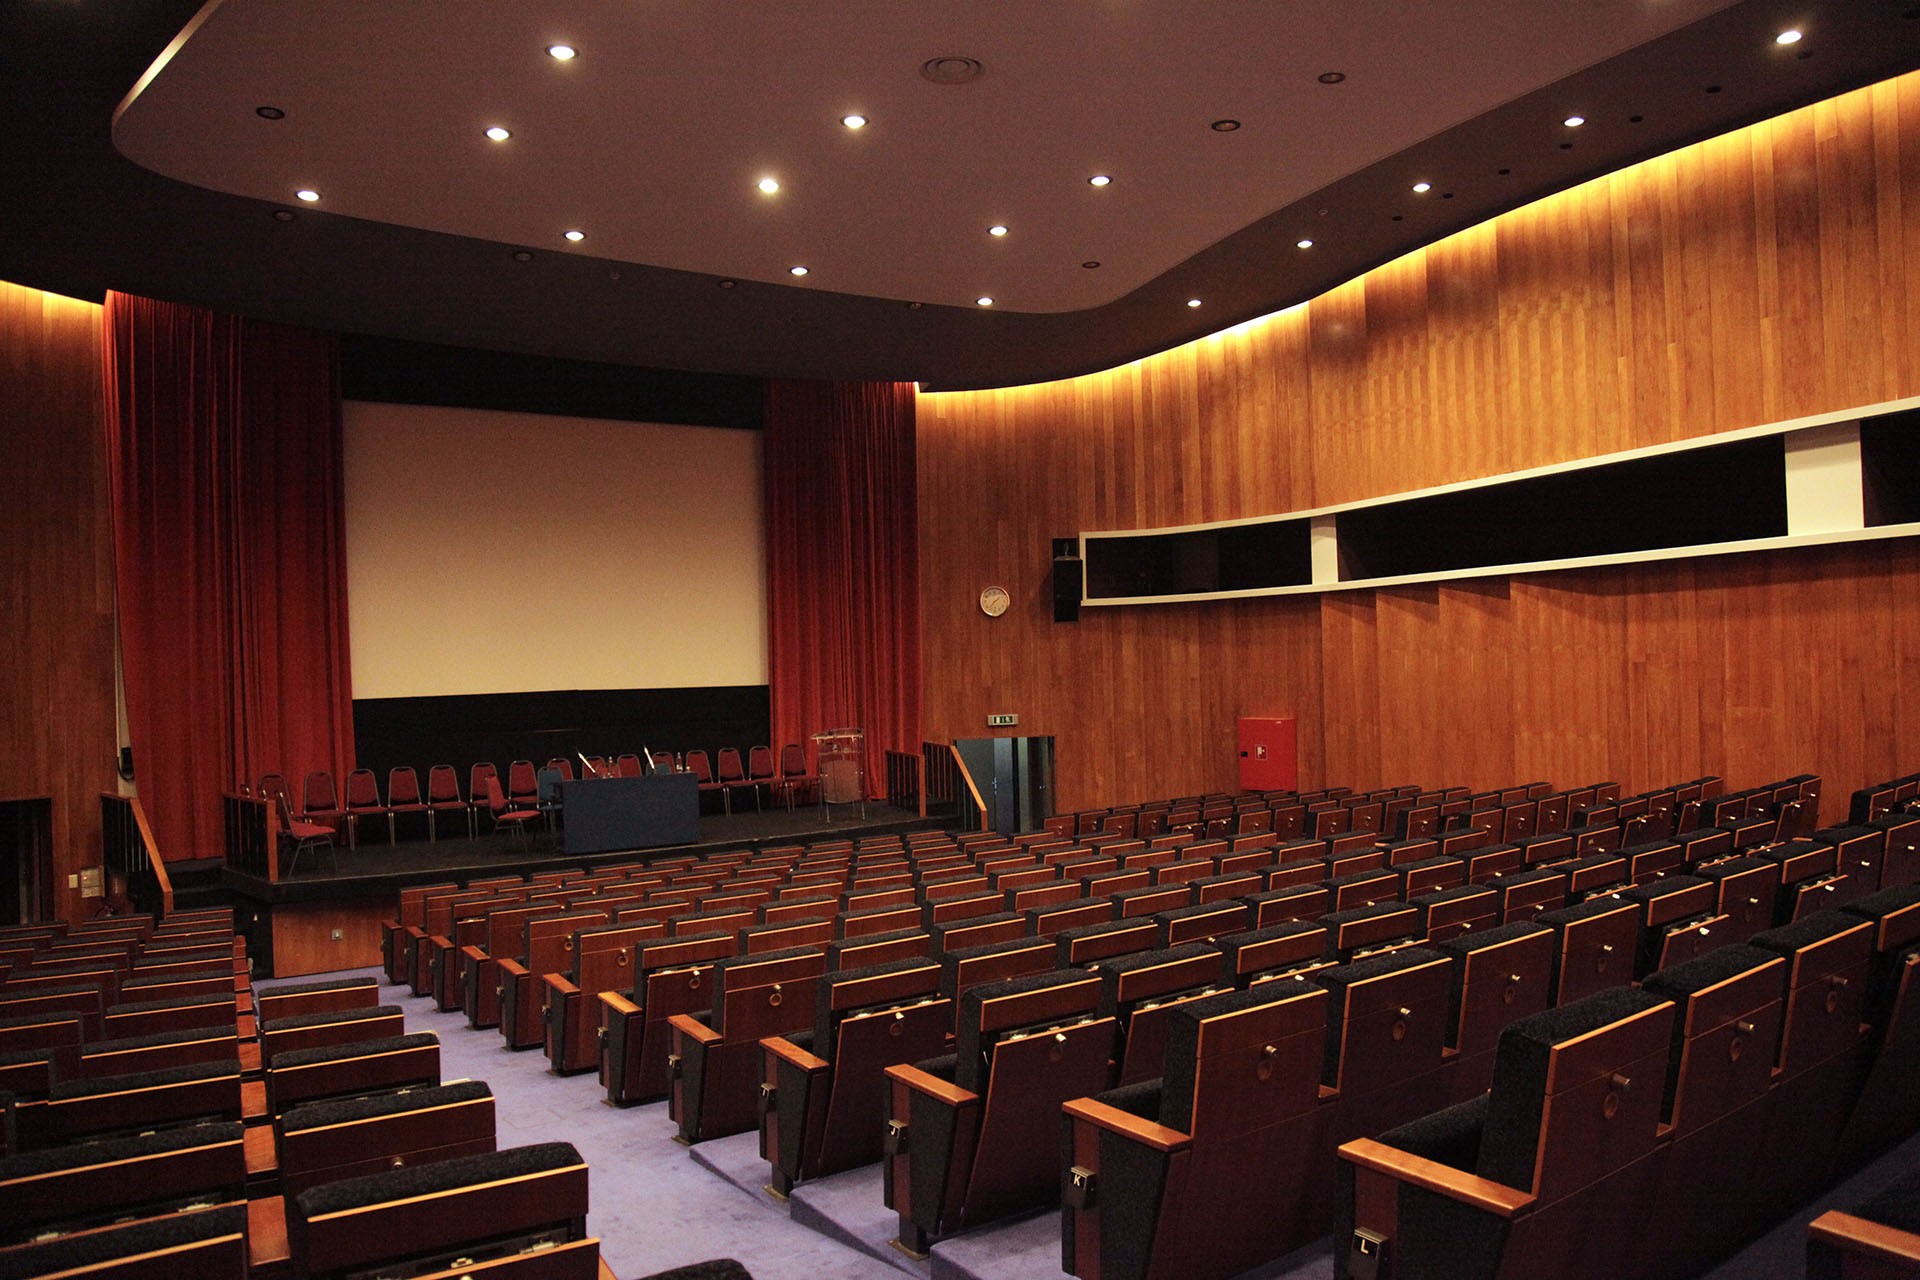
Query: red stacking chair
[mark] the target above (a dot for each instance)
(403, 796)
(523, 785)
(319, 802)
(503, 811)
(732, 776)
(794, 776)
(443, 794)
(762, 773)
(305, 835)
(477, 788)
(696, 763)
(628, 766)
(363, 801)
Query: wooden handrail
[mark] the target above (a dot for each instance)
(149, 850)
(153, 854)
(967, 777)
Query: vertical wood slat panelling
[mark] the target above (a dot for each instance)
(57, 735)
(1765, 275)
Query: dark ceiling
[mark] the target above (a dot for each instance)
(78, 218)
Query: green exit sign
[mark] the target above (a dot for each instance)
(1002, 721)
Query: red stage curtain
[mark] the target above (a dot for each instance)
(843, 564)
(229, 557)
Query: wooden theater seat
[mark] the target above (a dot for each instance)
(325, 995)
(1499, 975)
(671, 976)
(603, 961)
(1888, 1109)
(520, 1212)
(208, 1243)
(330, 1139)
(822, 1089)
(1157, 1186)
(714, 1069)
(546, 947)
(317, 1030)
(84, 1185)
(348, 1070)
(959, 1147)
(1875, 1240)
(1514, 1182)
(1140, 991)
(76, 1109)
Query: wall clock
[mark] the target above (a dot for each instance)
(994, 601)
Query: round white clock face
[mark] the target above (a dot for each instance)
(994, 601)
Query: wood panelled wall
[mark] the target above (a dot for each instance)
(57, 735)
(1753, 278)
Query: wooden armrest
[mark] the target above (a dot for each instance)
(262, 1155)
(619, 1003)
(1858, 1235)
(931, 1085)
(1145, 1132)
(792, 1054)
(561, 986)
(693, 1029)
(266, 1233)
(1479, 1193)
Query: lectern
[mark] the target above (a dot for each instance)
(843, 771)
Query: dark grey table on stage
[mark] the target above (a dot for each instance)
(603, 814)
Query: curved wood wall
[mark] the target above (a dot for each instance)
(1764, 275)
(57, 734)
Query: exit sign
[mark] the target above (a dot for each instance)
(1002, 721)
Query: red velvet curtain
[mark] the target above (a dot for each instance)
(843, 564)
(229, 557)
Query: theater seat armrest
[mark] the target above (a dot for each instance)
(792, 1054)
(1479, 1193)
(1144, 1132)
(1859, 1235)
(933, 1086)
(561, 986)
(693, 1029)
(617, 1003)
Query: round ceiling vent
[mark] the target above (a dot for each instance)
(952, 69)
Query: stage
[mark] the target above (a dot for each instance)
(327, 917)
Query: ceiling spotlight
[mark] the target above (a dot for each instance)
(1421, 188)
(521, 255)
(307, 193)
(983, 301)
(996, 230)
(275, 113)
(1099, 180)
(769, 185)
(854, 121)
(1224, 126)
(284, 215)
(562, 52)
(1303, 244)
(796, 271)
(728, 284)
(576, 236)
(915, 306)
(1574, 122)
(1788, 37)
(1193, 302)
(1332, 77)
(499, 133)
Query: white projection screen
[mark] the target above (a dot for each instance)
(497, 552)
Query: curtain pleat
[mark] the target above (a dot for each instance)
(224, 446)
(843, 581)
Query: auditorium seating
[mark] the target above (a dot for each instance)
(1878, 1239)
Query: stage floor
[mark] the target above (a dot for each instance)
(378, 867)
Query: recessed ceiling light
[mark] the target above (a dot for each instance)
(1788, 37)
(1099, 180)
(1332, 77)
(270, 113)
(284, 215)
(1574, 122)
(983, 301)
(1091, 264)
(1193, 302)
(499, 133)
(769, 185)
(996, 230)
(1224, 126)
(307, 193)
(1303, 244)
(915, 306)
(521, 255)
(562, 52)
(728, 284)
(796, 271)
(1422, 188)
(576, 236)
(854, 121)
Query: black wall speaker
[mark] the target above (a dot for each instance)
(125, 763)
(1067, 580)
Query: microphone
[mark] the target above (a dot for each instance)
(586, 766)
